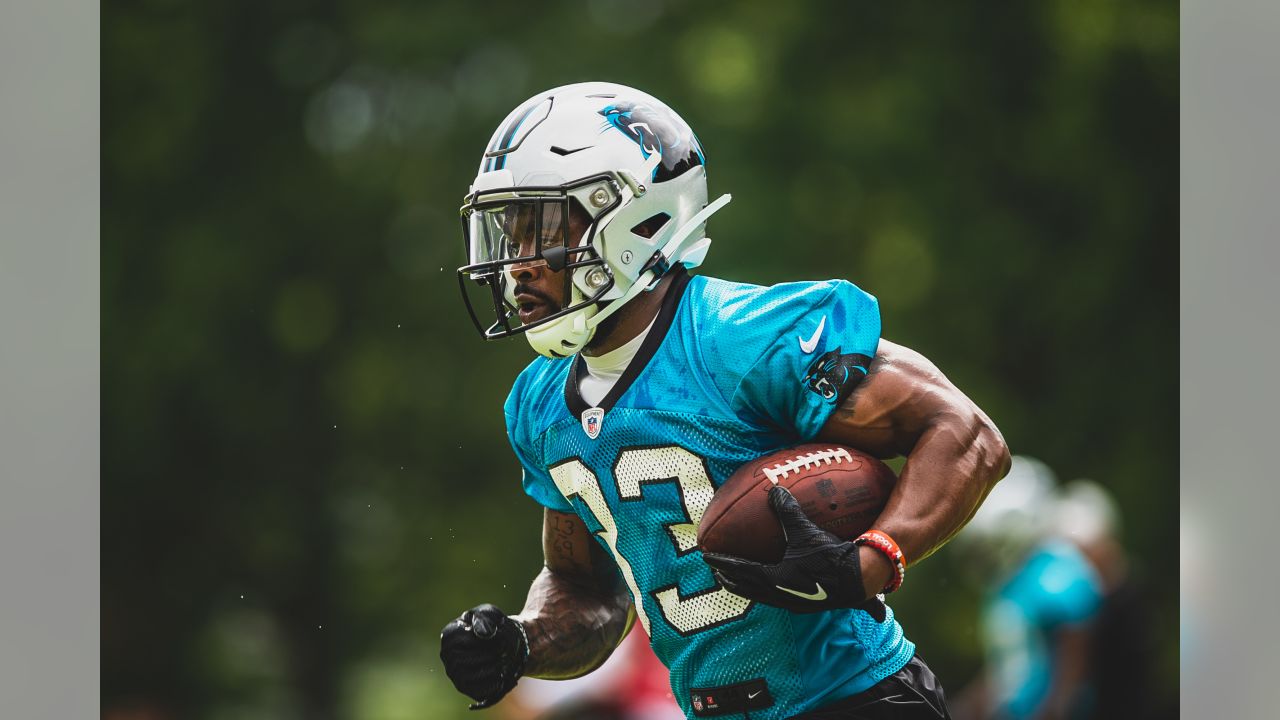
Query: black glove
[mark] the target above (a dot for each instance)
(484, 653)
(819, 571)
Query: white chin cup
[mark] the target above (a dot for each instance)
(565, 335)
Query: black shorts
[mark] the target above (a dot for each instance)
(912, 693)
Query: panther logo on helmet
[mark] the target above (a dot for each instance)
(657, 131)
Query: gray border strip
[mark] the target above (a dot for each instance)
(1230, 393)
(49, 358)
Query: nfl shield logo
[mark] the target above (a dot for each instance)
(591, 421)
(697, 703)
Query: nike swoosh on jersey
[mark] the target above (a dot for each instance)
(809, 345)
(821, 594)
(752, 696)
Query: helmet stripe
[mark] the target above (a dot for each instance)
(497, 163)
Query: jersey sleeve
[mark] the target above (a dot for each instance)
(810, 345)
(536, 481)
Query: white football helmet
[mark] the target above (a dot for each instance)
(1087, 513)
(620, 155)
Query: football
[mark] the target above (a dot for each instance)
(841, 489)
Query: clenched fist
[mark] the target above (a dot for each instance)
(484, 652)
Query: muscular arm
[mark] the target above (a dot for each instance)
(955, 454)
(577, 610)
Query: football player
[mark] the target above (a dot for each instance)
(651, 387)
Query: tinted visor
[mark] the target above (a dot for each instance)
(518, 230)
(508, 233)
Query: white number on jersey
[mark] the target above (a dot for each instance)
(633, 470)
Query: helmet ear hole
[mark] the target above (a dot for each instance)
(650, 227)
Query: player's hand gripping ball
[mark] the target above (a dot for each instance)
(841, 489)
(484, 652)
(779, 530)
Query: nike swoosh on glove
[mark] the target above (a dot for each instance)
(484, 652)
(818, 572)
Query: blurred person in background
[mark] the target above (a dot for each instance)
(1120, 663)
(1062, 624)
(1036, 623)
(654, 386)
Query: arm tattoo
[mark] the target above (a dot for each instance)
(560, 534)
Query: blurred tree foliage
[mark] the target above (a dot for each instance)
(305, 471)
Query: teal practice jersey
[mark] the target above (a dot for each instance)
(727, 373)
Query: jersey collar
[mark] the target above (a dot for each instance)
(666, 314)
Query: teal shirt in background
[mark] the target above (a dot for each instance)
(1055, 587)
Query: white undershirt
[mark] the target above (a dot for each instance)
(604, 370)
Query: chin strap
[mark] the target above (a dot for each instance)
(563, 336)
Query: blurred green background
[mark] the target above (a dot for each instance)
(305, 472)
